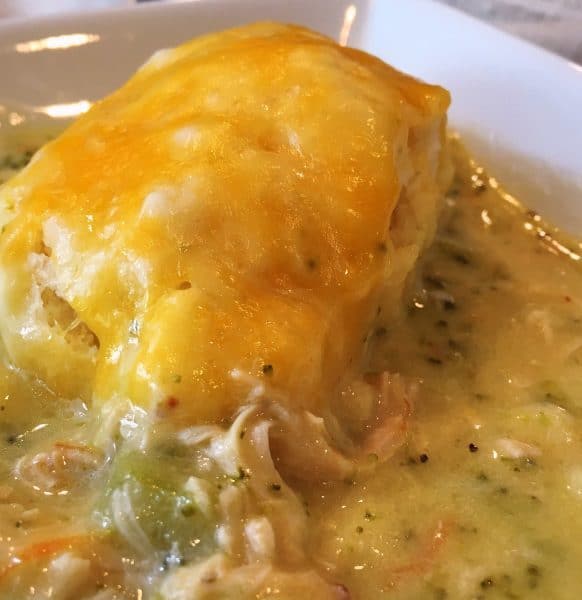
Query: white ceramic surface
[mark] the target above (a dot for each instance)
(518, 105)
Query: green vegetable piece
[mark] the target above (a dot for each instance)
(167, 515)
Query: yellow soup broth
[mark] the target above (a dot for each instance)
(483, 501)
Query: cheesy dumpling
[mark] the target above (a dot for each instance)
(222, 225)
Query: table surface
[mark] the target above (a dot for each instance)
(554, 24)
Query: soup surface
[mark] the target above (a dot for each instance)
(484, 500)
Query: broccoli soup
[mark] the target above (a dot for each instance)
(470, 488)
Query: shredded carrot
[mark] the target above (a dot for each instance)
(73, 446)
(44, 549)
(429, 551)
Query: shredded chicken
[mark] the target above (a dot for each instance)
(127, 523)
(304, 450)
(68, 575)
(542, 318)
(122, 418)
(510, 448)
(262, 523)
(201, 492)
(64, 466)
(260, 539)
(387, 430)
(244, 449)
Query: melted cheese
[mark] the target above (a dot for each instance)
(238, 205)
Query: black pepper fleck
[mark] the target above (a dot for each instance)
(449, 305)
(479, 187)
(267, 369)
(188, 510)
(533, 570)
(486, 583)
(434, 361)
(461, 259)
(528, 462)
(473, 447)
(423, 458)
(434, 282)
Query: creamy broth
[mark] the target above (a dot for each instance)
(483, 501)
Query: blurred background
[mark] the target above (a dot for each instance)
(554, 24)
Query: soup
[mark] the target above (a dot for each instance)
(482, 501)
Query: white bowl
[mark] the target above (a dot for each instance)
(517, 105)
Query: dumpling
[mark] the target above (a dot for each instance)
(223, 224)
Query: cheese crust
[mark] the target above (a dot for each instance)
(222, 226)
